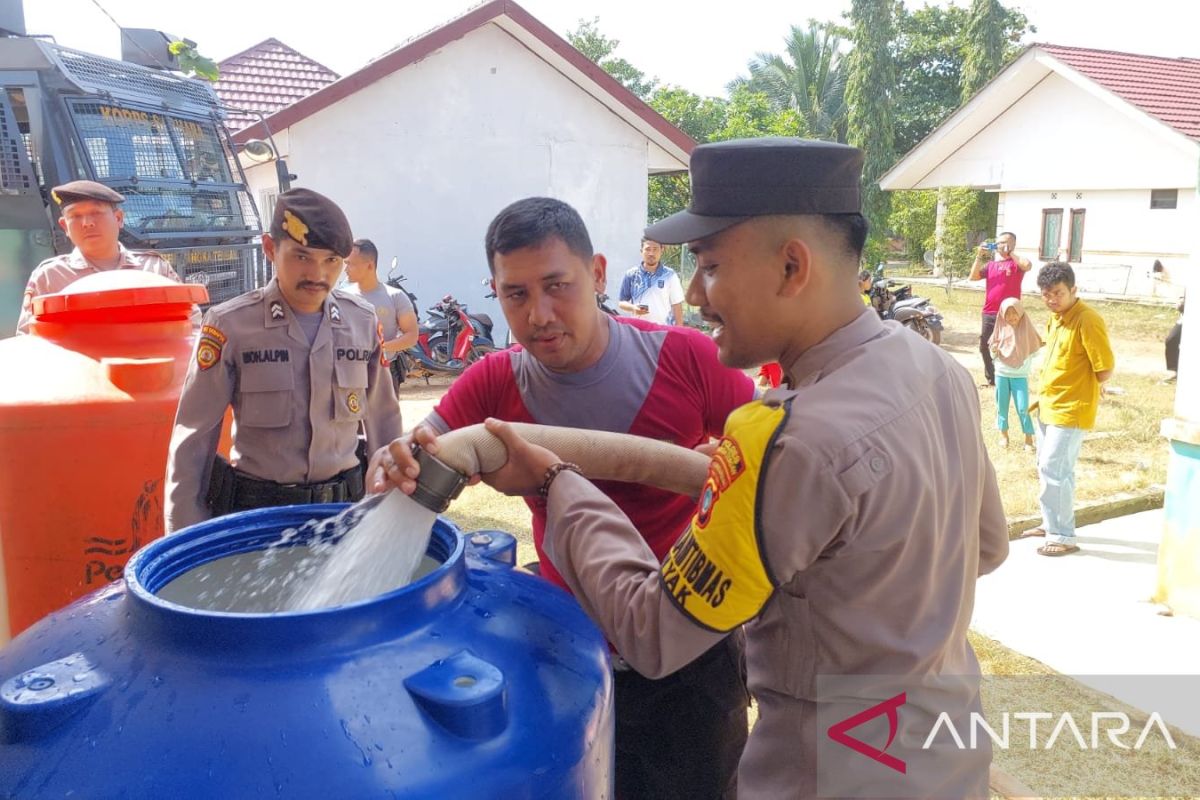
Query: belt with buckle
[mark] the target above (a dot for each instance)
(251, 492)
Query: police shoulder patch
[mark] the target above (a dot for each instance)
(209, 348)
(715, 573)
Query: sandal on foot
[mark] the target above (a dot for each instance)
(1055, 550)
(1033, 533)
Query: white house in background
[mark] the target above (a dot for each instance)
(425, 144)
(1095, 155)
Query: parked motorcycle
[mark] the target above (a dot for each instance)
(893, 300)
(448, 341)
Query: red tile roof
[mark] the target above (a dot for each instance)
(268, 77)
(1167, 89)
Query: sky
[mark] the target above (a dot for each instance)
(672, 40)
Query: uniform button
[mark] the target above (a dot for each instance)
(877, 463)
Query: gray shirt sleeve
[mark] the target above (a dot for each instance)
(206, 393)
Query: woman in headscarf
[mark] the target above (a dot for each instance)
(1013, 343)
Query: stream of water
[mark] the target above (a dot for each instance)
(375, 546)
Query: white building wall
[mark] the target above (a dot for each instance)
(1059, 135)
(422, 160)
(1122, 236)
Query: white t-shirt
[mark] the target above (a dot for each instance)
(659, 290)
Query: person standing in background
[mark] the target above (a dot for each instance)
(1002, 278)
(651, 290)
(92, 219)
(397, 317)
(1078, 361)
(1013, 344)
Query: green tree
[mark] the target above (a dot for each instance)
(587, 39)
(914, 219)
(932, 44)
(809, 79)
(930, 47)
(701, 118)
(984, 54)
(749, 114)
(191, 63)
(869, 83)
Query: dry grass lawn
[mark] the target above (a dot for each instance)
(1125, 453)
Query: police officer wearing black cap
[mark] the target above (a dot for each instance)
(847, 514)
(92, 220)
(300, 363)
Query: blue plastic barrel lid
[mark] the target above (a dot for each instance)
(464, 694)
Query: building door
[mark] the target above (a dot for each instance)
(1052, 219)
(1075, 243)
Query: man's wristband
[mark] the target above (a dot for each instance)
(553, 472)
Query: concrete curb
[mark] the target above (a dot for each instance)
(1097, 512)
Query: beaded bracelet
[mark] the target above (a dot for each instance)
(552, 473)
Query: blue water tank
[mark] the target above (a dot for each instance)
(475, 681)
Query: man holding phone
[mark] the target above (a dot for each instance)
(651, 290)
(1003, 276)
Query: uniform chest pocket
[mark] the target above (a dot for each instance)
(349, 391)
(265, 392)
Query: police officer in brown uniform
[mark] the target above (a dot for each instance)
(92, 221)
(301, 365)
(846, 517)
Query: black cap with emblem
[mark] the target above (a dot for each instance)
(312, 220)
(735, 180)
(75, 191)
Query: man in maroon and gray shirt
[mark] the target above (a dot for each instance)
(1003, 280)
(678, 737)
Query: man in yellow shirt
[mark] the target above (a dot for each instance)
(864, 286)
(1077, 360)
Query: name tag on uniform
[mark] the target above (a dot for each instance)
(265, 356)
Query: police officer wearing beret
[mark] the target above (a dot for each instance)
(92, 220)
(847, 514)
(300, 363)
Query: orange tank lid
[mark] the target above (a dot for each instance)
(120, 295)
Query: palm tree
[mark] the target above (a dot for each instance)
(810, 79)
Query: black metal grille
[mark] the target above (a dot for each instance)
(227, 271)
(173, 172)
(124, 143)
(166, 210)
(15, 175)
(204, 158)
(121, 79)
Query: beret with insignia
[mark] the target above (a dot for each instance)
(311, 220)
(75, 191)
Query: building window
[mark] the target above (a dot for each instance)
(1075, 243)
(1164, 198)
(1052, 219)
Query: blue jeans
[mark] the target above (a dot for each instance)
(1019, 389)
(1058, 450)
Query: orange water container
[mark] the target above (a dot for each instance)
(87, 403)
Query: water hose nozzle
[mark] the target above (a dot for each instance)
(438, 483)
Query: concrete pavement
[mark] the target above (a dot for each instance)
(1088, 615)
